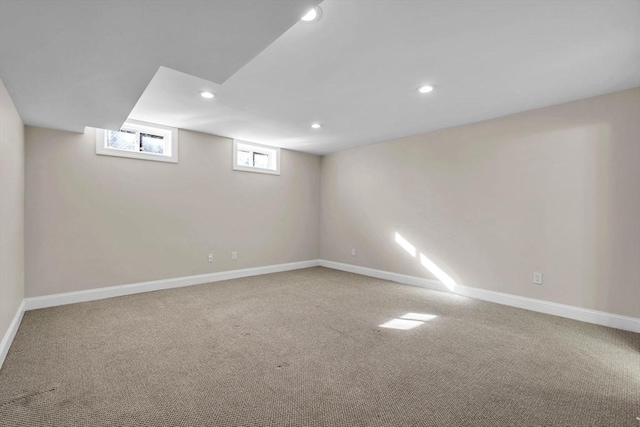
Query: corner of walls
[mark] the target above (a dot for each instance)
(322, 206)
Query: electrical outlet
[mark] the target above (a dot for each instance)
(234, 255)
(353, 252)
(537, 278)
(210, 257)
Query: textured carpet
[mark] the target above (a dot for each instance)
(304, 348)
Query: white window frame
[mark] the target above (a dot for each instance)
(272, 152)
(169, 134)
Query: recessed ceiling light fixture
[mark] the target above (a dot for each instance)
(313, 15)
(206, 94)
(425, 88)
(316, 125)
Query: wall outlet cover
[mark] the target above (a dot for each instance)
(537, 278)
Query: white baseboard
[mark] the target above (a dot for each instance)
(11, 333)
(386, 275)
(571, 312)
(156, 285)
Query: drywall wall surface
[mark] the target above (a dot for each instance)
(94, 221)
(554, 190)
(11, 210)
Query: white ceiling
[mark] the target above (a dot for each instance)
(70, 64)
(355, 70)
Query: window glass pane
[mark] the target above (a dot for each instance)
(261, 160)
(244, 158)
(151, 143)
(121, 140)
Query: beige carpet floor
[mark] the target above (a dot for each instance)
(304, 348)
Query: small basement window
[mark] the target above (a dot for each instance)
(139, 140)
(251, 157)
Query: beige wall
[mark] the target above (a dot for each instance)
(94, 221)
(11, 210)
(554, 190)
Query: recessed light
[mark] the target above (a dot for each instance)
(425, 89)
(313, 15)
(316, 125)
(207, 94)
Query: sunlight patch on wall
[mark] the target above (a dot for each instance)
(437, 271)
(406, 245)
(426, 262)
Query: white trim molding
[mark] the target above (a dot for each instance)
(11, 333)
(386, 275)
(563, 310)
(157, 285)
(571, 312)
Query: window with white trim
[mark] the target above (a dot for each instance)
(251, 157)
(139, 140)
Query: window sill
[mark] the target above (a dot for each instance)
(256, 170)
